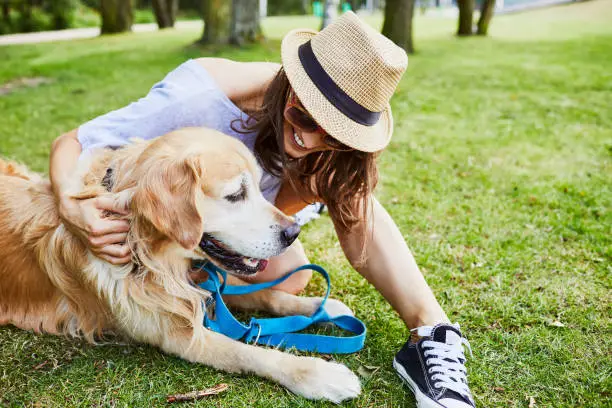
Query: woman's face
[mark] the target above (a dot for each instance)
(298, 140)
(299, 143)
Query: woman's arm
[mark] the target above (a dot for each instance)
(179, 95)
(105, 237)
(391, 268)
(65, 152)
(244, 83)
(289, 201)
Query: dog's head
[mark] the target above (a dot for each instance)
(199, 188)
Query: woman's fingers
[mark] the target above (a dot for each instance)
(114, 260)
(116, 250)
(105, 226)
(111, 248)
(108, 239)
(112, 203)
(115, 254)
(105, 237)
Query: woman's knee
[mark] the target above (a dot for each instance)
(296, 283)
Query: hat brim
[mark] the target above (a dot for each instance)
(333, 121)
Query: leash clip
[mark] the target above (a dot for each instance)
(250, 336)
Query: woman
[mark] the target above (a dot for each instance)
(315, 125)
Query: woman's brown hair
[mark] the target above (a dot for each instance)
(343, 180)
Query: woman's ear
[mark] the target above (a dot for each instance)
(166, 196)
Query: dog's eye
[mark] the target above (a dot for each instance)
(241, 195)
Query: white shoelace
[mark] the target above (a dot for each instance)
(446, 364)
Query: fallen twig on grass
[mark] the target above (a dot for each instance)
(195, 395)
(41, 365)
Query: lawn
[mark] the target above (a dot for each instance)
(498, 175)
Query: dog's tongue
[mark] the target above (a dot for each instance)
(262, 265)
(258, 264)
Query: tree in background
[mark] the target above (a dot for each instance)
(234, 22)
(217, 16)
(245, 27)
(165, 12)
(25, 22)
(466, 17)
(398, 23)
(117, 16)
(6, 12)
(62, 13)
(19, 16)
(330, 12)
(487, 8)
(355, 4)
(371, 5)
(289, 7)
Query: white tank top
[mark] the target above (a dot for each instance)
(187, 96)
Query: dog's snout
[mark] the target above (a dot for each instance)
(290, 234)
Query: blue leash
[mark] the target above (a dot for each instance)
(280, 331)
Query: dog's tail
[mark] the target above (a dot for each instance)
(11, 168)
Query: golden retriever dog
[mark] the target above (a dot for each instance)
(192, 194)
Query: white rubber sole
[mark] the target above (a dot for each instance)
(422, 400)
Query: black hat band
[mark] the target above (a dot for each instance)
(334, 94)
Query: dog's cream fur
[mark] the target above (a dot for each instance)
(176, 188)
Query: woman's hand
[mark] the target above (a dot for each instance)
(105, 237)
(86, 217)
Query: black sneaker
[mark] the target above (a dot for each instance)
(434, 367)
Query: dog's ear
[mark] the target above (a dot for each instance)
(166, 196)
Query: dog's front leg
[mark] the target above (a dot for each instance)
(310, 377)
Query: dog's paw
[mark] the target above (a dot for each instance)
(336, 308)
(315, 378)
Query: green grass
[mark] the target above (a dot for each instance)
(499, 175)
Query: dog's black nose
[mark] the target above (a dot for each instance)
(289, 234)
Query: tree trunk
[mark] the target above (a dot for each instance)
(245, 26)
(486, 14)
(117, 16)
(466, 17)
(355, 4)
(330, 12)
(165, 12)
(231, 21)
(217, 19)
(398, 23)
(61, 13)
(6, 13)
(25, 11)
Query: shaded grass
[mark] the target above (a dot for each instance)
(498, 175)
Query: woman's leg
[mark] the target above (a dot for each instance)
(278, 266)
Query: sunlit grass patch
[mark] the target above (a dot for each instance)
(498, 175)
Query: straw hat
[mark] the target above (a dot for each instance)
(345, 76)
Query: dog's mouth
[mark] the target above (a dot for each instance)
(229, 260)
